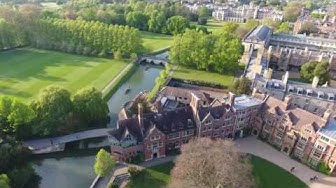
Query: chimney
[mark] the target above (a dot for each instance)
(288, 101)
(326, 115)
(321, 57)
(331, 58)
(140, 116)
(231, 98)
(285, 78)
(268, 73)
(315, 82)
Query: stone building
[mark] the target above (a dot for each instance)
(243, 13)
(298, 133)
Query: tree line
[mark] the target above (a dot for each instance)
(217, 52)
(26, 26)
(54, 113)
(146, 16)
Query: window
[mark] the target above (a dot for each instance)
(320, 147)
(307, 130)
(324, 139)
(148, 146)
(207, 122)
(332, 161)
(160, 144)
(317, 154)
(303, 139)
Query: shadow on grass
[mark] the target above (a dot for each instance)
(10, 91)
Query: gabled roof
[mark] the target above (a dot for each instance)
(260, 33)
(330, 129)
(215, 111)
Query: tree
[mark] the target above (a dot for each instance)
(241, 86)
(177, 25)
(203, 12)
(4, 181)
(117, 55)
(251, 23)
(15, 117)
(156, 22)
(90, 107)
(229, 27)
(320, 69)
(270, 23)
(137, 19)
(53, 109)
(284, 27)
(104, 163)
(202, 21)
(206, 163)
(292, 11)
(308, 28)
(217, 52)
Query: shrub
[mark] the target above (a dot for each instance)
(323, 167)
(134, 171)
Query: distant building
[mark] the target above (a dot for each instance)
(243, 13)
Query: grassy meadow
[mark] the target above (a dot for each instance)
(24, 72)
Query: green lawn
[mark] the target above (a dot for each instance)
(154, 42)
(203, 76)
(267, 175)
(23, 73)
(153, 177)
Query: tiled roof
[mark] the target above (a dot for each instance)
(215, 111)
(260, 33)
(330, 129)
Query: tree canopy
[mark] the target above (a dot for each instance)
(211, 52)
(241, 86)
(206, 163)
(90, 106)
(320, 69)
(104, 163)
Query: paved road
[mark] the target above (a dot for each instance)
(256, 147)
(47, 142)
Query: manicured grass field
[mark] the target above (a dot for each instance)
(267, 175)
(24, 72)
(153, 41)
(153, 177)
(203, 76)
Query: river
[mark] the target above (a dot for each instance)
(77, 171)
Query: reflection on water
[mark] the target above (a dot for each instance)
(141, 80)
(77, 172)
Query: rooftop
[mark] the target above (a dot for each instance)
(245, 101)
(330, 129)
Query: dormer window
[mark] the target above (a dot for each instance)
(300, 91)
(190, 124)
(309, 92)
(331, 96)
(320, 94)
(207, 122)
(308, 130)
(291, 89)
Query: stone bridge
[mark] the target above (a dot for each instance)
(49, 145)
(153, 59)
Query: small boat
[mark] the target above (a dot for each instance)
(127, 90)
(146, 68)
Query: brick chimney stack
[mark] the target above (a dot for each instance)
(140, 116)
(231, 98)
(315, 82)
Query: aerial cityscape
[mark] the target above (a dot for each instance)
(167, 94)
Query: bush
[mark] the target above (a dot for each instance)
(134, 171)
(113, 185)
(323, 167)
(202, 21)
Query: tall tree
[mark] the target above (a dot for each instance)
(104, 163)
(241, 86)
(320, 69)
(206, 163)
(284, 27)
(177, 24)
(53, 109)
(90, 107)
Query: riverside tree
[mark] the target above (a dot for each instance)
(90, 107)
(104, 163)
(212, 52)
(241, 86)
(206, 163)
